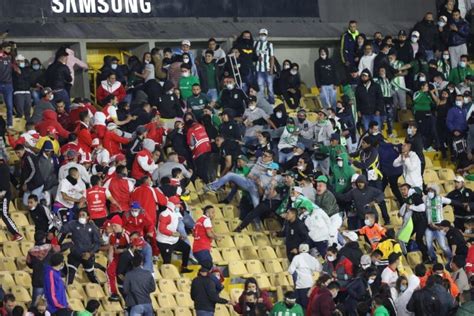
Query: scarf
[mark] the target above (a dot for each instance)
(353, 34)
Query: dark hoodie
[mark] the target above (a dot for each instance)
(279, 122)
(369, 100)
(230, 129)
(325, 70)
(352, 252)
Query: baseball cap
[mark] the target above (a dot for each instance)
(415, 33)
(138, 242)
(263, 31)
(298, 189)
(20, 57)
(335, 136)
(354, 177)
(135, 204)
(402, 32)
(303, 248)
(273, 166)
(243, 157)
(339, 158)
(322, 178)
(458, 179)
(443, 18)
(365, 261)
(112, 126)
(119, 157)
(47, 90)
(95, 142)
(186, 42)
(352, 236)
(48, 146)
(71, 153)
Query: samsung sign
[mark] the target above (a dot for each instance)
(101, 6)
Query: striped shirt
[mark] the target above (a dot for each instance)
(386, 86)
(398, 81)
(264, 50)
(444, 68)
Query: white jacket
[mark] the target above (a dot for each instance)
(172, 219)
(411, 169)
(403, 298)
(318, 224)
(304, 265)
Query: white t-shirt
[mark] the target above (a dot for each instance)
(389, 277)
(304, 265)
(151, 72)
(76, 191)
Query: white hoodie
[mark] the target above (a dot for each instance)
(403, 299)
(411, 169)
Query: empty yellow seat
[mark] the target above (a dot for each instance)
(260, 239)
(183, 311)
(184, 299)
(230, 254)
(221, 310)
(263, 282)
(7, 264)
(94, 290)
(235, 294)
(430, 176)
(167, 286)
(446, 174)
(216, 256)
(237, 268)
(166, 300)
(255, 267)
(414, 258)
(6, 279)
(248, 253)
(267, 252)
(170, 271)
(112, 306)
(220, 226)
(25, 246)
(272, 224)
(76, 304)
(20, 219)
(273, 266)
(165, 312)
(22, 278)
(11, 249)
(21, 294)
(242, 240)
(184, 285)
(225, 242)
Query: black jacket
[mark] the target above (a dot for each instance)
(230, 130)
(325, 72)
(289, 81)
(154, 91)
(423, 302)
(169, 106)
(352, 252)
(22, 82)
(124, 264)
(40, 218)
(381, 61)
(417, 146)
(428, 34)
(58, 76)
(295, 234)
(86, 237)
(5, 183)
(458, 198)
(405, 52)
(30, 173)
(369, 100)
(204, 294)
(233, 99)
(137, 293)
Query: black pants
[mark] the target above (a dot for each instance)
(420, 223)
(205, 167)
(6, 217)
(167, 250)
(426, 127)
(73, 262)
(393, 182)
(99, 222)
(265, 208)
(292, 99)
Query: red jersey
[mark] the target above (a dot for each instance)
(96, 202)
(137, 224)
(119, 240)
(156, 133)
(470, 260)
(198, 140)
(201, 240)
(149, 198)
(113, 143)
(120, 189)
(84, 137)
(137, 171)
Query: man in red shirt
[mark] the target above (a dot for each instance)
(203, 236)
(149, 198)
(120, 187)
(119, 241)
(112, 141)
(144, 162)
(198, 140)
(96, 197)
(136, 221)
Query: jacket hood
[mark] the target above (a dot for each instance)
(50, 115)
(362, 178)
(280, 108)
(324, 49)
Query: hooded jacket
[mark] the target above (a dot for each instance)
(361, 198)
(50, 119)
(411, 169)
(116, 89)
(403, 298)
(279, 122)
(325, 70)
(460, 37)
(341, 176)
(58, 76)
(369, 97)
(54, 290)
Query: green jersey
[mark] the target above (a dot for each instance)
(197, 104)
(186, 86)
(280, 309)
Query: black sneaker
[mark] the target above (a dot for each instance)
(114, 298)
(186, 270)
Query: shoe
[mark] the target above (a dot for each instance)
(193, 260)
(17, 237)
(207, 188)
(238, 229)
(224, 201)
(114, 298)
(186, 270)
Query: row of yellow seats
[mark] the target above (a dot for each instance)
(226, 255)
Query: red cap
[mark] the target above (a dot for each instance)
(106, 224)
(120, 157)
(175, 200)
(138, 242)
(116, 220)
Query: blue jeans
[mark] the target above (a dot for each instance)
(62, 95)
(430, 235)
(242, 182)
(36, 95)
(147, 257)
(37, 291)
(203, 256)
(204, 313)
(284, 157)
(141, 310)
(212, 94)
(366, 119)
(328, 96)
(38, 192)
(264, 78)
(6, 89)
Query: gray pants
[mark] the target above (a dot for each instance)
(22, 105)
(455, 52)
(400, 99)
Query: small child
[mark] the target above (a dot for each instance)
(372, 230)
(379, 309)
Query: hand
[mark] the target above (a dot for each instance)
(294, 250)
(150, 234)
(175, 234)
(453, 27)
(86, 255)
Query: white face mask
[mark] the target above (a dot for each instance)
(105, 238)
(301, 168)
(293, 198)
(323, 56)
(177, 209)
(279, 115)
(403, 288)
(445, 57)
(286, 67)
(414, 39)
(410, 131)
(441, 24)
(252, 107)
(340, 163)
(331, 258)
(22, 65)
(466, 100)
(114, 66)
(462, 64)
(431, 195)
(230, 86)
(422, 79)
(185, 74)
(263, 38)
(186, 60)
(367, 222)
(371, 281)
(82, 220)
(270, 173)
(169, 92)
(147, 62)
(51, 97)
(36, 67)
(458, 103)
(294, 72)
(135, 213)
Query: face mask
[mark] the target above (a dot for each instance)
(334, 294)
(368, 222)
(414, 39)
(462, 64)
(431, 195)
(323, 56)
(51, 97)
(286, 67)
(279, 115)
(177, 209)
(135, 213)
(301, 119)
(186, 60)
(270, 173)
(445, 57)
(301, 168)
(230, 86)
(105, 238)
(290, 128)
(331, 258)
(422, 79)
(451, 90)
(185, 74)
(340, 163)
(36, 67)
(403, 288)
(458, 103)
(371, 281)
(441, 24)
(293, 198)
(114, 66)
(82, 220)
(468, 231)
(252, 107)
(22, 65)
(466, 100)
(263, 38)
(294, 72)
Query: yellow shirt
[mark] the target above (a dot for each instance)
(56, 147)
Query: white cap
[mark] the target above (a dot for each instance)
(186, 42)
(20, 57)
(95, 142)
(459, 179)
(298, 189)
(443, 18)
(354, 177)
(415, 33)
(263, 31)
(352, 236)
(303, 248)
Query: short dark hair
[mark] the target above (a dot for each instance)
(212, 39)
(210, 52)
(9, 298)
(207, 208)
(92, 305)
(405, 185)
(19, 147)
(196, 85)
(352, 21)
(57, 259)
(420, 270)
(137, 260)
(95, 179)
(333, 286)
(438, 267)
(84, 114)
(378, 300)
(71, 170)
(33, 197)
(175, 172)
(377, 252)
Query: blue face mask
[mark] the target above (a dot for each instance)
(36, 67)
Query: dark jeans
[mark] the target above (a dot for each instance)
(23, 105)
(167, 250)
(420, 223)
(302, 297)
(265, 208)
(203, 256)
(389, 114)
(74, 260)
(426, 127)
(393, 182)
(205, 167)
(322, 246)
(6, 89)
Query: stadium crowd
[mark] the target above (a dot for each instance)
(113, 176)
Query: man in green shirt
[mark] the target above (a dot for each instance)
(287, 307)
(380, 310)
(334, 150)
(92, 308)
(197, 101)
(208, 75)
(186, 81)
(341, 175)
(458, 74)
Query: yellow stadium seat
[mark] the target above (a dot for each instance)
(107, 313)
(448, 186)
(260, 239)
(19, 219)
(237, 268)
(183, 311)
(234, 223)
(264, 282)
(235, 294)
(446, 174)
(167, 286)
(281, 251)
(277, 241)
(25, 246)
(272, 224)
(414, 258)
(101, 259)
(430, 176)
(273, 266)
(255, 267)
(221, 310)
(166, 300)
(216, 256)
(3, 236)
(170, 271)
(220, 226)
(112, 306)
(11, 249)
(242, 240)
(29, 232)
(230, 254)
(76, 304)
(94, 290)
(21, 294)
(280, 279)
(248, 253)
(184, 299)
(267, 252)
(154, 302)
(22, 278)
(75, 289)
(101, 276)
(224, 294)
(7, 264)
(6, 279)
(184, 285)
(226, 242)
(165, 312)
(448, 213)
(230, 211)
